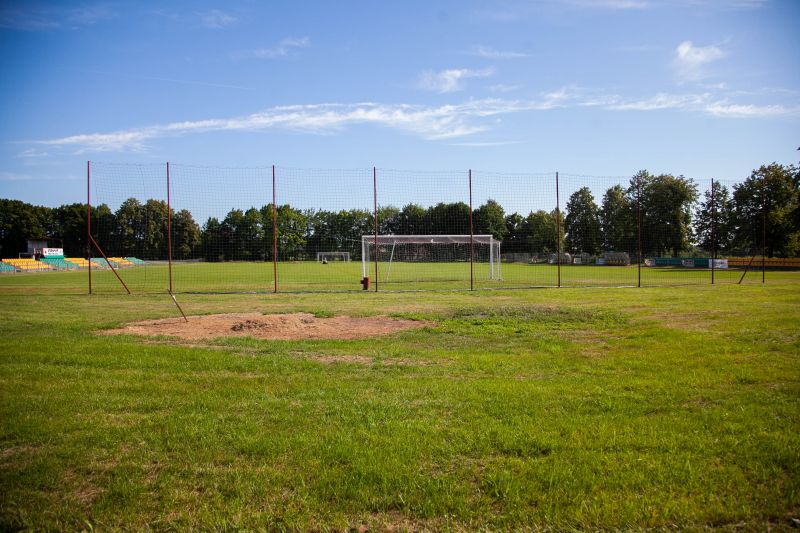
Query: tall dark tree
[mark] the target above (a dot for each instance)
(19, 221)
(212, 241)
(582, 223)
(618, 221)
(541, 232)
(666, 212)
(411, 221)
(447, 219)
(129, 229)
(713, 228)
(515, 234)
(489, 219)
(186, 235)
(771, 190)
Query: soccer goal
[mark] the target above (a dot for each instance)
(431, 257)
(327, 257)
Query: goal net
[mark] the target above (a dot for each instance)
(327, 257)
(430, 258)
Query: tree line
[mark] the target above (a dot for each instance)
(674, 220)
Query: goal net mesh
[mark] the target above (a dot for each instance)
(402, 259)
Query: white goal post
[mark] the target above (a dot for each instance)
(332, 256)
(486, 249)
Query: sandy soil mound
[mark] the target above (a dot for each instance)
(256, 325)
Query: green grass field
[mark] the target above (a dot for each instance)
(666, 408)
(340, 276)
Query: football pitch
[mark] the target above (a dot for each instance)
(299, 276)
(557, 409)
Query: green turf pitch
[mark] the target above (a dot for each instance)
(666, 408)
(346, 276)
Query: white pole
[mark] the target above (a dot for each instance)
(363, 259)
(491, 258)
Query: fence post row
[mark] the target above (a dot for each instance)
(92, 244)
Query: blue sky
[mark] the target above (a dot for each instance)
(704, 88)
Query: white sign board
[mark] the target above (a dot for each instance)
(688, 263)
(50, 252)
(718, 263)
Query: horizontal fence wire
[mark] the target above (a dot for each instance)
(189, 228)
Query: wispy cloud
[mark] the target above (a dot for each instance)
(609, 4)
(216, 19)
(491, 53)
(691, 61)
(450, 80)
(32, 153)
(17, 176)
(33, 17)
(449, 121)
(485, 144)
(504, 88)
(284, 48)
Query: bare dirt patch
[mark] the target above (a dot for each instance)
(292, 326)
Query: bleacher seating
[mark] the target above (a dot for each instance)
(102, 262)
(135, 261)
(59, 263)
(84, 263)
(28, 265)
(120, 261)
(5, 267)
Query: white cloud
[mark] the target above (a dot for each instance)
(610, 4)
(448, 121)
(216, 19)
(450, 80)
(691, 61)
(285, 47)
(491, 53)
(721, 109)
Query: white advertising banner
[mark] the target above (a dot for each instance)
(50, 252)
(718, 263)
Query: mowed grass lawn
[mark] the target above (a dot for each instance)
(673, 407)
(298, 276)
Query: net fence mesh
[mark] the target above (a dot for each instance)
(263, 229)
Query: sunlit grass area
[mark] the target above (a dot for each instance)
(667, 407)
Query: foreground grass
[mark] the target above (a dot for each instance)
(586, 409)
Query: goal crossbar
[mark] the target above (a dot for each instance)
(394, 240)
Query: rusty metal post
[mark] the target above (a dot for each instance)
(375, 208)
(763, 229)
(558, 232)
(713, 240)
(89, 222)
(274, 235)
(639, 229)
(471, 239)
(169, 231)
